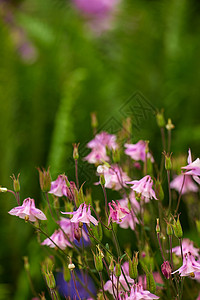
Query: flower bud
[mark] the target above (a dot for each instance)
(157, 226)
(198, 225)
(66, 273)
(75, 151)
(169, 125)
(3, 190)
(97, 207)
(94, 122)
(102, 179)
(118, 270)
(151, 285)
(71, 266)
(166, 269)
(177, 228)
(45, 180)
(116, 155)
(26, 263)
(16, 184)
(98, 259)
(160, 119)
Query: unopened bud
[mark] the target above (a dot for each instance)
(26, 263)
(97, 207)
(75, 151)
(50, 280)
(94, 122)
(66, 273)
(151, 285)
(160, 119)
(169, 125)
(166, 269)
(98, 261)
(169, 229)
(177, 228)
(71, 266)
(102, 179)
(158, 226)
(116, 155)
(3, 190)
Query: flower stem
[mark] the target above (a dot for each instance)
(179, 198)
(76, 173)
(102, 285)
(161, 250)
(47, 197)
(169, 189)
(73, 277)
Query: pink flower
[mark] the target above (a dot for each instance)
(95, 7)
(109, 285)
(115, 178)
(187, 246)
(189, 266)
(189, 185)
(193, 168)
(98, 145)
(59, 239)
(59, 187)
(130, 219)
(198, 298)
(72, 230)
(157, 277)
(137, 293)
(144, 187)
(117, 212)
(82, 214)
(28, 211)
(137, 151)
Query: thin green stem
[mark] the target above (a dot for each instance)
(179, 198)
(169, 189)
(76, 173)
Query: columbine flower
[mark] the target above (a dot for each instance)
(190, 265)
(115, 178)
(187, 246)
(137, 293)
(82, 214)
(193, 168)
(28, 211)
(144, 187)
(98, 145)
(166, 269)
(59, 187)
(137, 151)
(117, 212)
(189, 185)
(130, 219)
(59, 239)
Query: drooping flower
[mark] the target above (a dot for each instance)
(138, 293)
(117, 212)
(130, 219)
(166, 269)
(28, 211)
(82, 214)
(58, 237)
(144, 187)
(99, 144)
(59, 187)
(190, 265)
(115, 178)
(193, 168)
(137, 151)
(188, 186)
(187, 246)
(95, 7)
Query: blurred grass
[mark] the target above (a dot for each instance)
(46, 102)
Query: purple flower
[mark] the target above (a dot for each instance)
(28, 211)
(189, 266)
(59, 239)
(144, 187)
(137, 151)
(166, 269)
(193, 168)
(187, 246)
(115, 178)
(59, 187)
(189, 185)
(82, 214)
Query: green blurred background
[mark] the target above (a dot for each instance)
(55, 70)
